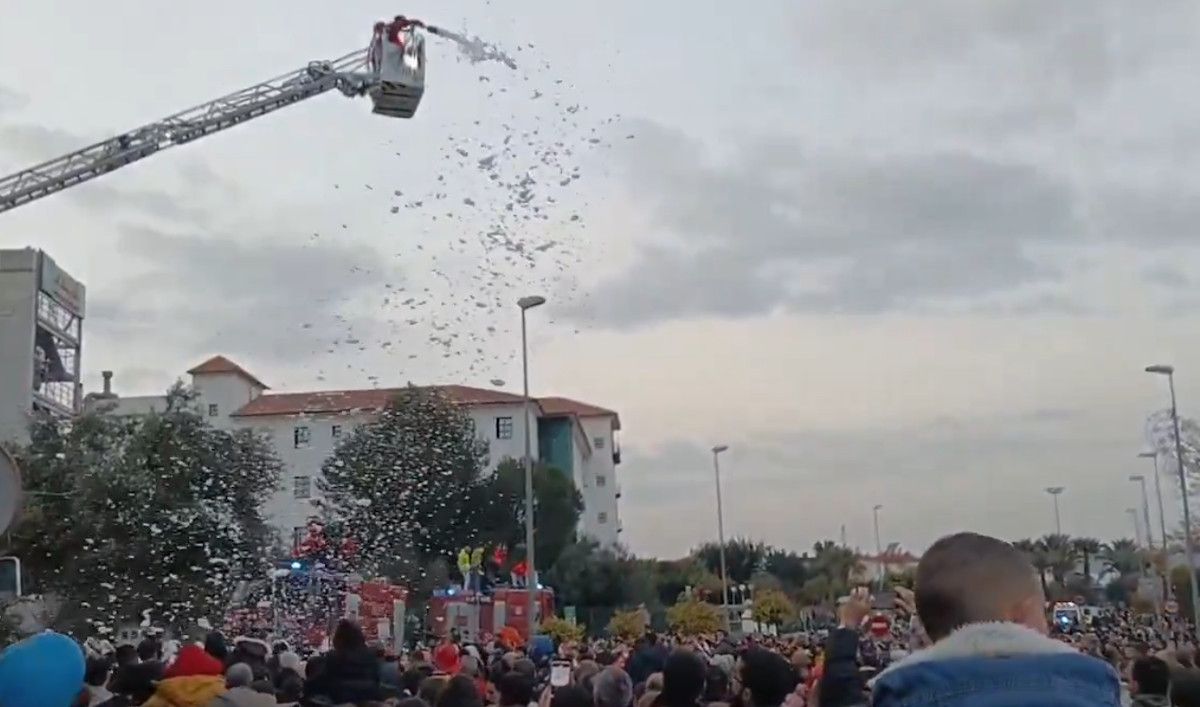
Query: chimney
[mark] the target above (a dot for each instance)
(107, 382)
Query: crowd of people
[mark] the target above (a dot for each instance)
(975, 632)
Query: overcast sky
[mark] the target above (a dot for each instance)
(909, 252)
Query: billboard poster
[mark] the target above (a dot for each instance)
(63, 288)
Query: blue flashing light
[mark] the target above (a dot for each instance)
(296, 564)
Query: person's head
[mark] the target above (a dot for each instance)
(290, 689)
(525, 666)
(766, 676)
(348, 636)
(1149, 676)
(716, 687)
(278, 647)
(239, 675)
(585, 672)
(149, 649)
(215, 645)
(612, 687)
(459, 692)
(411, 679)
(970, 578)
(683, 679)
(469, 666)
(1185, 691)
(515, 688)
(572, 696)
(431, 689)
(126, 654)
(97, 670)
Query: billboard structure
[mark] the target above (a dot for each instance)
(41, 338)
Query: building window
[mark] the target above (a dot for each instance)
(602, 517)
(601, 480)
(302, 487)
(301, 436)
(335, 431)
(504, 428)
(212, 410)
(598, 443)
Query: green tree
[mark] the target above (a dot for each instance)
(772, 608)
(792, 569)
(836, 563)
(407, 485)
(693, 617)
(1122, 558)
(742, 558)
(143, 517)
(1086, 549)
(1060, 556)
(557, 506)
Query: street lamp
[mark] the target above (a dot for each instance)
(1162, 518)
(1056, 491)
(1137, 527)
(716, 452)
(531, 575)
(1141, 479)
(1169, 372)
(879, 546)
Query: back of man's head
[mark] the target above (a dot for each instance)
(612, 687)
(515, 688)
(768, 677)
(239, 675)
(970, 578)
(1150, 676)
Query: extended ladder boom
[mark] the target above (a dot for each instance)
(103, 157)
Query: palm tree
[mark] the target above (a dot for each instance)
(1038, 557)
(1060, 555)
(1121, 557)
(1087, 548)
(836, 563)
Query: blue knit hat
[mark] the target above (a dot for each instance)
(45, 670)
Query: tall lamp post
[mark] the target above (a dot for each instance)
(1169, 372)
(1137, 527)
(879, 546)
(531, 575)
(1141, 479)
(1056, 491)
(716, 452)
(1162, 518)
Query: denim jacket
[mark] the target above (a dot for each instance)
(997, 665)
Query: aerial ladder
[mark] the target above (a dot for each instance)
(391, 71)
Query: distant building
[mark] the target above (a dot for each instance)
(577, 438)
(892, 560)
(41, 335)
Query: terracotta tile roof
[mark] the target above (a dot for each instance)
(366, 400)
(220, 364)
(555, 406)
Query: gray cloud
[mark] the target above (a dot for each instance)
(780, 227)
(270, 298)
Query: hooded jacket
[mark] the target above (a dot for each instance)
(193, 680)
(45, 670)
(997, 665)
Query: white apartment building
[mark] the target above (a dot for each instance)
(574, 437)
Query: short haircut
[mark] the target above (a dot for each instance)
(967, 578)
(96, 671)
(239, 675)
(1152, 676)
(515, 688)
(768, 676)
(612, 687)
(149, 649)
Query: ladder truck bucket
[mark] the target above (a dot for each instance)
(401, 74)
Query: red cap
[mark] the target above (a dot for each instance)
(192, 660)
(446, 659)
